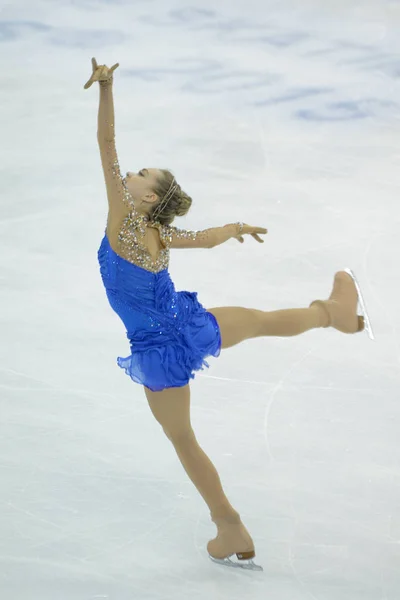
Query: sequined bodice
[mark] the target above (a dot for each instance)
(131, 247)
(126, 230)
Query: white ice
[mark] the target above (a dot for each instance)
(281, 114)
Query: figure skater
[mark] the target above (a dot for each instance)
(170, 333)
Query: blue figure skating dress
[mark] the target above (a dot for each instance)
(170, 333)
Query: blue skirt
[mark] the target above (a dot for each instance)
(172, 363)
(170, 333)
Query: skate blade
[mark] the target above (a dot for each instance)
(247, 565)
(367, 320)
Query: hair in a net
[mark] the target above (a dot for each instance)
(177, 206)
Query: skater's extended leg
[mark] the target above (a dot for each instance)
(171, 408)
(339, 311)
(238, 324)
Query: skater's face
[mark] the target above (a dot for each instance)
(141, 187)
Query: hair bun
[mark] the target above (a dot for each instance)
(183, 205)
(178, 204)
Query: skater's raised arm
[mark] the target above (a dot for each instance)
(118, 196)
(209, 238)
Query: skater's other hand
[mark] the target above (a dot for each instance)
(253, 231)
(100, 73)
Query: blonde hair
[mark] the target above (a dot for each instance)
(178, 204)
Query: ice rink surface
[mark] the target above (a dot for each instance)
(281, 114)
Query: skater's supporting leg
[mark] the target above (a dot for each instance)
(238, 324)
(171, 408)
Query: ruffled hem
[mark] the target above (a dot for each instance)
(173, 364)
(156, 382)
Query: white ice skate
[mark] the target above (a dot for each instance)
(362, 305)
(343, 304)
(244, 561)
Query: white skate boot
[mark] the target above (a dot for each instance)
(341, 307)
(232, 541)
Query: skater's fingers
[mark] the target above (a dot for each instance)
(88, 83)
(95, 77)
(240, 239)
(114, 67)
(101, 74)
(257, 237)
(252, 229)
(92, 78)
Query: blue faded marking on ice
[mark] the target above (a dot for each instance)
(350, 110)
(192, 14)
(194, 68)
(11, 30)
(282, 40)
(76, 38)
(230, 81)
(86, 38)
(338, 111)
(293, 95)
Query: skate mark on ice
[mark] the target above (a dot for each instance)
(297, 578)
(272, 396)
(32, 515)
(234, 380)
(138, 536)
(51, 387)
(372, 289)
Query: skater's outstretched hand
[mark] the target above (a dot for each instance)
(253, 231)
(100, 73)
